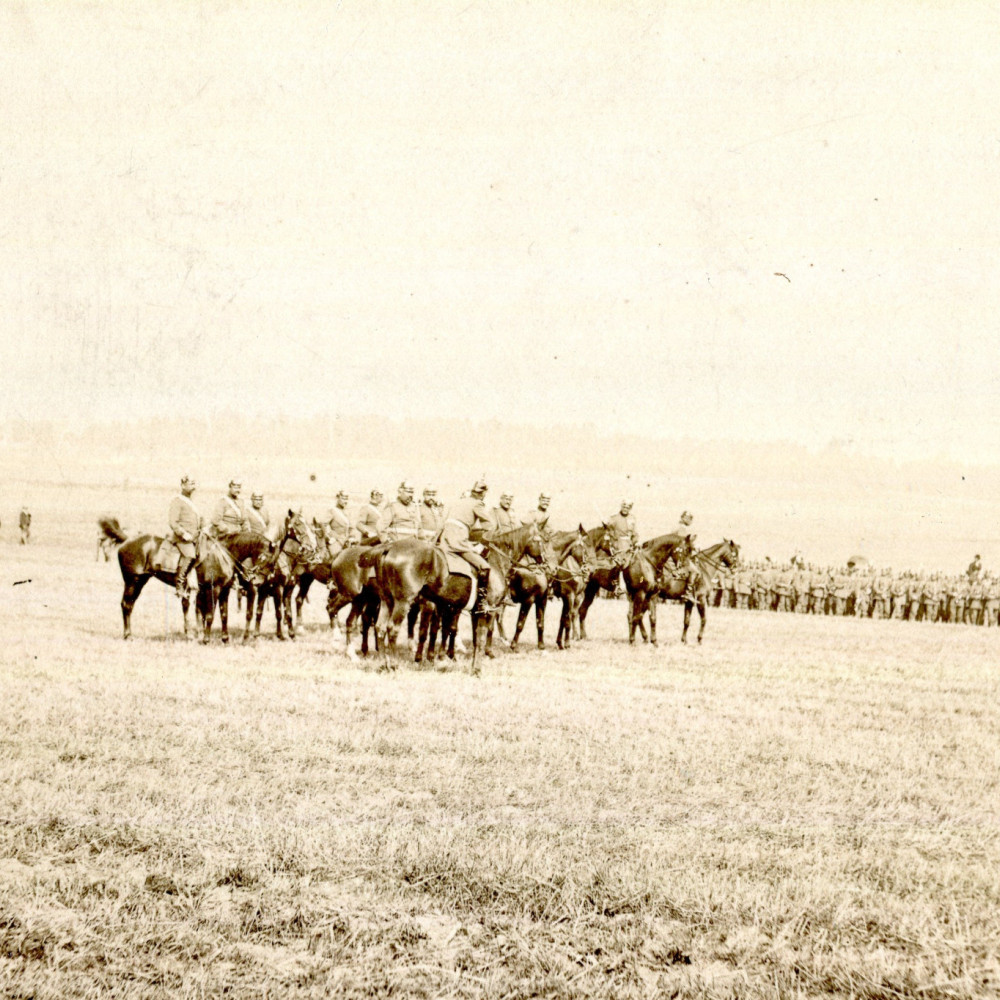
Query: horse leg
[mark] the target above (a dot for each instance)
(251, 593)
(589, 593)
(687, 620)
(631, 620)
(206, 597)
(423, 619)
(224, 613)
(289, 617)
(276, 598)
(702, 610)
(522, 617)
(541, 602)
(133, 588)
(305, 582)
(652, 620)
(411, 620)
(261, 605)
(479, 624)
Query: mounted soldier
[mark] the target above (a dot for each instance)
(258, 519)
(540, 515)
(501, 517)
(624, 527)
(467, 519)
(402, 516)
(685, 568)
(431, 517)
(337, 531)
(185, 524)
(229, 517)
(369, 519)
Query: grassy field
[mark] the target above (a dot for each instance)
(800, 807)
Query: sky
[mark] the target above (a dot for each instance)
(732, 221)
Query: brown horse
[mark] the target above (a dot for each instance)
(612, 556)
(137, 560)
(575, 555)
(278, 575)
(708, 562)
(351, 584)
(410, 568)
(642, 580)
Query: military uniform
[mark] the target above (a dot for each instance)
(337, 530)
(229, 518)
(502, 520)
(369, 522)
(401, 520)
(185, 523)
(465, 517)
(431, 520)
(258, 519)
(624, 527)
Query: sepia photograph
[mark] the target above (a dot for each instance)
(499, 500)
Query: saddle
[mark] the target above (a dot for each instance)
(166, 558)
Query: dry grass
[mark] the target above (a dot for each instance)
(800, 807)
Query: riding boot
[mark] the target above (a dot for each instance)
(180, 583)
(482, 591)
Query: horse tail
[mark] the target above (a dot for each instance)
(111, 529)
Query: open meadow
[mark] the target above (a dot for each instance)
(802, 806)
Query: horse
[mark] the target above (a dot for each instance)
(642, 580)
(137, 561)
(575, 555)
(409, 568)
(708, 562)
(350, 583)
(611, 558)
(110, 534)
(278, 576)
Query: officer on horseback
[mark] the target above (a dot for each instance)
(466, 518)
(685, 568)
(501, 517)
(402, 517)
(258, 518)
(370, 519)
(337, 531)
(623, 526)
(229, 517)
(430, 515)
(540, 515)
(185, 523)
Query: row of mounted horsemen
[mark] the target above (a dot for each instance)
(423, 565)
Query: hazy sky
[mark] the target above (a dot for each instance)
(753, 221)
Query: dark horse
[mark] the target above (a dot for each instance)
(408, 569)
(575, 556)
(136, 558)
(278, 575)
(642, 580)
(708, 561)
(352, 584)
(612, 556)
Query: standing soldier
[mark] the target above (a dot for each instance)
(229, 517)
(370, 519)
(468, 517)
(337, 530)
(431, 518)
(24, 523)
(975, 569)
(623, 525)
(185, 523)
(258, 519)
(540, 515)
(402, 517)
(501, 517)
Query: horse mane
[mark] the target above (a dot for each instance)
(111, 529)
(513, 539)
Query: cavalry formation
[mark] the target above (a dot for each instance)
(417, 564)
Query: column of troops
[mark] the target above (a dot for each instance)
(971, 598)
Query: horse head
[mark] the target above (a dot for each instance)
(298, 529)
